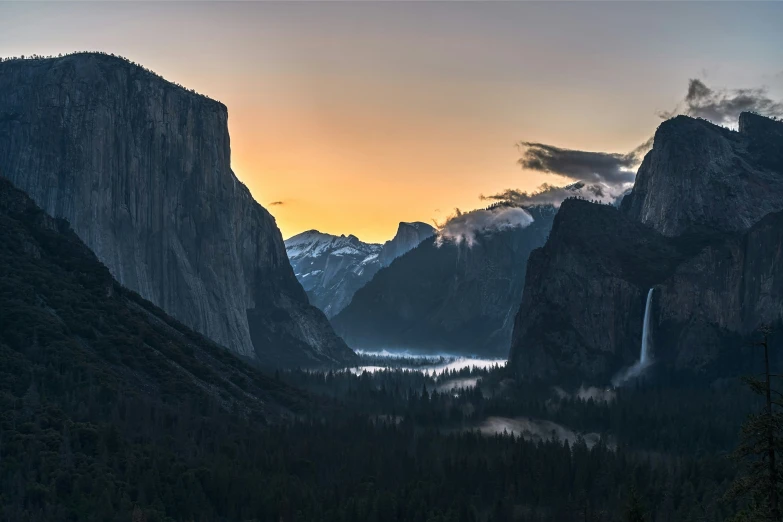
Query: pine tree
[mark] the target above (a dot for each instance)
(633, 510)
(761, 440)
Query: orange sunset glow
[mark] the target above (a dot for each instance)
(356, 116)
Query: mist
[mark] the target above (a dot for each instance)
(587, 393)
(464, 227)
(536, 430)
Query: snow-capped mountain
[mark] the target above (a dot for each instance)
(332, 268)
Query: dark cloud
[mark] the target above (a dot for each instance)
(598, 176)
(275, 203)
(723, 106)
(589, 167)
(607, 176)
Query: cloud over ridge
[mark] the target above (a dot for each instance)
(723, 106)
(464, 227)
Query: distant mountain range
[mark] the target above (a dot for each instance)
(332, 268)
(703, 227)
(141, 170)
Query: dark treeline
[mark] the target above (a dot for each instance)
(677, 420)
(200, 463)
(98, 53)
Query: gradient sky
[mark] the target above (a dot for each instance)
(360, 115)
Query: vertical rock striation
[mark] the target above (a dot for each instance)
(140, 167)
(702, 177)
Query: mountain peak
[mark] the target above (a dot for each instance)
(702, 176)
(417, 225)
(408, 237)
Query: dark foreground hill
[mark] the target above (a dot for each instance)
(97, 384)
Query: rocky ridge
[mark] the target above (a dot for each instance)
(332, 268)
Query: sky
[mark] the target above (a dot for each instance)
(349, 117)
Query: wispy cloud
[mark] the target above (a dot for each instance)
(276, 203)
(723, 106)
(547, 194)
(464, 227)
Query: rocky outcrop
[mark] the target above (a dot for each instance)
(447, 297)
(702, 227)
(141, 169)
(332, 268)
(702, 177)
(408, 237)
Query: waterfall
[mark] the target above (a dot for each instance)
(644, 354)
(646, 330)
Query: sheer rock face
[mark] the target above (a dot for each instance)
(141, 169)
(585, 291)
(332, 268)
(583, 303)
(700, 227)
(408, 237)
(702, 177)
(450, 298)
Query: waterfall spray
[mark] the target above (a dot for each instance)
(644, 354)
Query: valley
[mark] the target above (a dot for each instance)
(603, 349)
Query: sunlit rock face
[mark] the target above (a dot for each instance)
(702, 226)
(140, 167)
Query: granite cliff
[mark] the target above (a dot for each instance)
(702, 177)
(702, 227)
(408, 237)
(140, 168)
